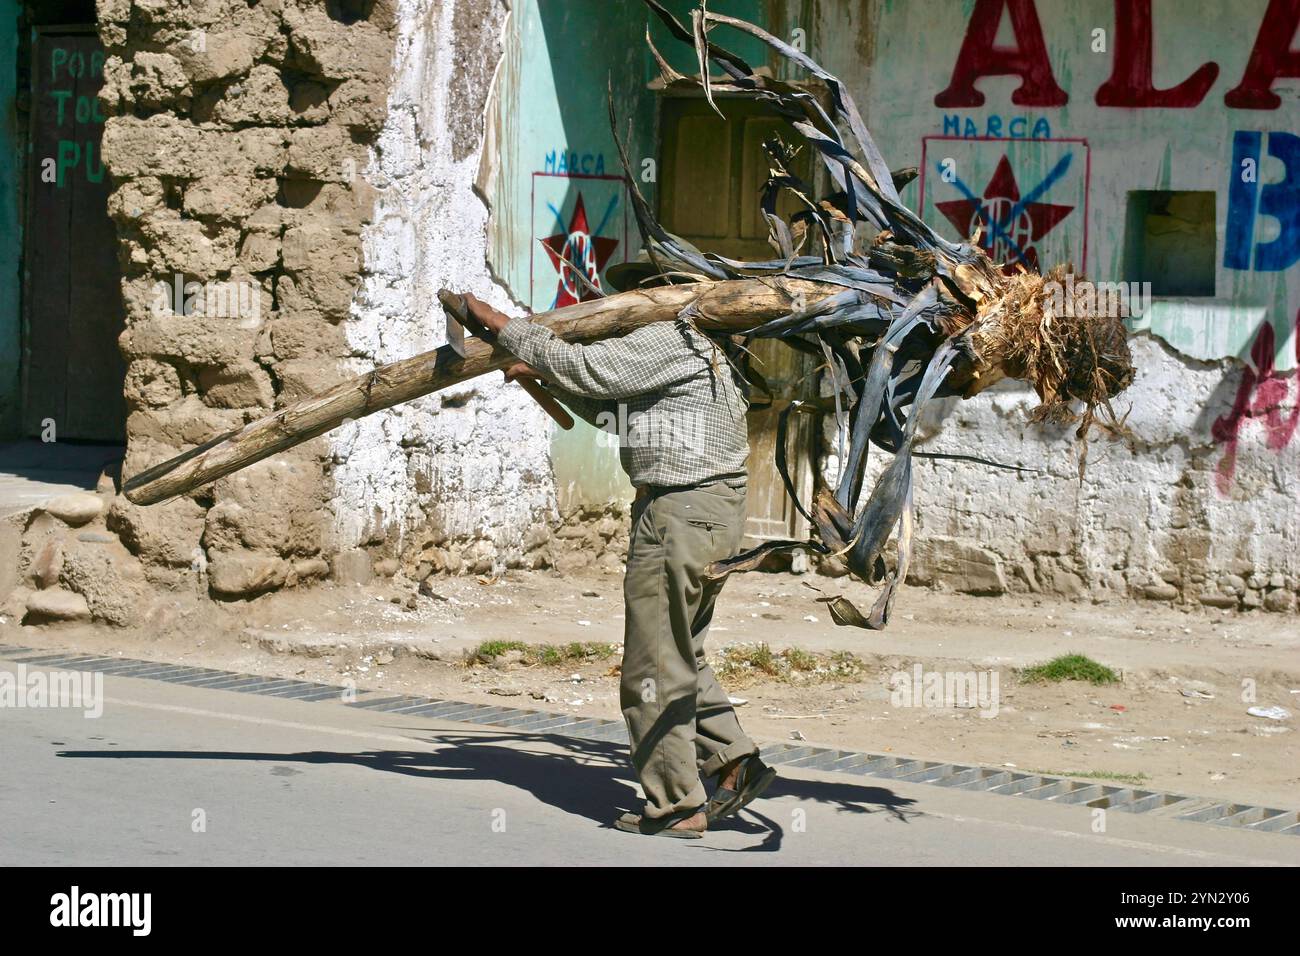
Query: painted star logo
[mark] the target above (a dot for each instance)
(578, 246)
(1009, 225)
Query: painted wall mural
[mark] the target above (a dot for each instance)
(1101, 70)
(580, 224)
(559, 207)
(1263, 398)
(1250, 200)
(1131, 83)
(1263, 236)
(1027, 199)
(1039, 122)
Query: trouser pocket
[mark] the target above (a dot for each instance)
(710, 537)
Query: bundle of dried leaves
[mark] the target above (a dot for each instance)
(916, 316)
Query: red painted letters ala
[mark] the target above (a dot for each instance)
(1271, 57)
(1131, 84)
(1027, 59)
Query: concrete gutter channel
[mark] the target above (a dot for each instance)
(855, 763)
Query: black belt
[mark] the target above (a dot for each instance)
(654, 491)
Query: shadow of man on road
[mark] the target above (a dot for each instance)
(586, 778)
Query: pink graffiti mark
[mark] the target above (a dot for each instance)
(1260, 397)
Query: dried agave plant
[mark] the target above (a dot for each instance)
(914, 317)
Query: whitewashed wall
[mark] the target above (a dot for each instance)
(472, 461)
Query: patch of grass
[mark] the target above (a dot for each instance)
(746, 660)
(490, 650)
(1069, 667)
(577, 651)
(1134, 779)
(740, 664)
(548, 655)
(801, 660)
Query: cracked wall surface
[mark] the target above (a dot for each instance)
(460, 480)
(1146, 521)
(234, 137)
(320, 160)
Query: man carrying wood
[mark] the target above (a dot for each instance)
(688, 468)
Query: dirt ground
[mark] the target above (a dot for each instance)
(1178, 719)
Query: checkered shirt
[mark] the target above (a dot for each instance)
(666, 390)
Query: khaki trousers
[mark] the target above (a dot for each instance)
(678, 717)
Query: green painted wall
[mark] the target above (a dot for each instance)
(10, 227)
(682, 58)
(554, 151)
(553, 146)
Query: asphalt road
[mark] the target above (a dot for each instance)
(177, 775)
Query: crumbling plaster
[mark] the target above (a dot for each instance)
(1145, 520)
(472, 463)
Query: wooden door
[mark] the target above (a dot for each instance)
(73, 371)
(711, 175)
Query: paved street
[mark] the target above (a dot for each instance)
(268, 781)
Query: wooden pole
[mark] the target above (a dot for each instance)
(734, 304)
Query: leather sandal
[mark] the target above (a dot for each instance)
(751, 780)
(661, 826)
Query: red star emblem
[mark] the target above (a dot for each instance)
(578, 248)
(1001, 238)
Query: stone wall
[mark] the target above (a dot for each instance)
(321, 160)
(1147, 520)
(235, 139)
(329, 156)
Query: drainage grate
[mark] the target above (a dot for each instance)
(1036, 786)
(179, 674)
(883, 766)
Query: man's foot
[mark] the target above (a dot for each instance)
(683, 825)
(739, 782)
